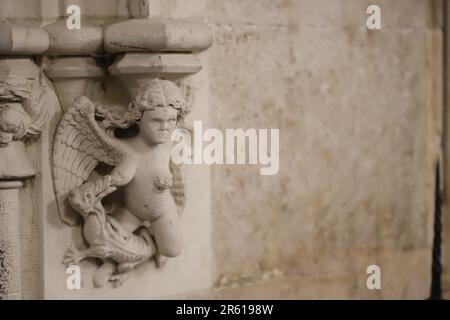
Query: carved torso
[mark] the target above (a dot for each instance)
(148, 196)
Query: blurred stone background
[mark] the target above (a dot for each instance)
(360, 119)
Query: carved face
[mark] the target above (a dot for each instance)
(157, 125)
(14, 123)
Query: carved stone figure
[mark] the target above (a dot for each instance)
(23, 113)
(111, 170)
(114, 170)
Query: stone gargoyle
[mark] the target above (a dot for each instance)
(125, 187)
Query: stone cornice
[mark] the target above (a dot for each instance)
(134, 35)
(21, 40)
(157, 34)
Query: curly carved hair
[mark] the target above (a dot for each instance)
(14, 123)
(150, 95)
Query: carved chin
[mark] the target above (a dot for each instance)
(160, 139)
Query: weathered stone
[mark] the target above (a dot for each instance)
(343, 130)
(17, 67)
(22, 115)
(17, 39)
(74, 76)
(358, 113)
(139, 8)
(15, 162)
(10, 276)
(88, 40)
(155, 63)
(399, 281)
(73, 67)
(157, 34)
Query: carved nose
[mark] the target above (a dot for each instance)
(164, 126)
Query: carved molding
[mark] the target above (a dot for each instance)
(88, 40)
(157, 34)
(141, 35)
(22, 40)
(155, 63)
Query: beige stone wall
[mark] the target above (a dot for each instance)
(359, 117)
(359, 114)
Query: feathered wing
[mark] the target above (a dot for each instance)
(177, 189)
(79, 145)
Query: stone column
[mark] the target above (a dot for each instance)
(10, 284)
(22, 115)
(15, 166)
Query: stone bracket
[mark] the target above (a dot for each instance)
(77, 61)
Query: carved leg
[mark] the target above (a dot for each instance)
(167, 234)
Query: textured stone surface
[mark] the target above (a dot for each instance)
(16, 69)
(397, 267)
(10, 281)
(73, 67)
(51, 9)
(88, 40)
(155, 63)
(357, 112)
(17, 39)
(157, 34)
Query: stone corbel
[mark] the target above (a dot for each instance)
(158, 48)
(135, 52)
(78, 62)
(70, 60)
(23, 113)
